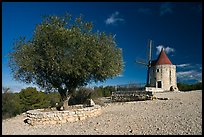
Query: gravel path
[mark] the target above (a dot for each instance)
(180, 115)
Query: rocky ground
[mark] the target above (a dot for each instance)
(180, 115)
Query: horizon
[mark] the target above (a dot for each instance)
(174, 26)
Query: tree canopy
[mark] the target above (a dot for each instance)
(64, 54)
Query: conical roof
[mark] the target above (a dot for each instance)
(162, 59)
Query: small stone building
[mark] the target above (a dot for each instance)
(163, 74)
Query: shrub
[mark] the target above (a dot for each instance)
(80, 96)
(30, 98)
(53, 98)
(10, 105)
(189, 87)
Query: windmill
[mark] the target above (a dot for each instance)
(148, 63)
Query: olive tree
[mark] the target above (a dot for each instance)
(64, 54)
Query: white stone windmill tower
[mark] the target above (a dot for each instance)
(160, 72)
(163, 74)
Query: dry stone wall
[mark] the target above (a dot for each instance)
(130, 96)
(39, 117)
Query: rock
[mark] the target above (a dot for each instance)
(92, 102)
(89, 103)
(61, 108)
(173, 88)
(27, 121)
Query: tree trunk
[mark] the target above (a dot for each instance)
(65, 103)
(65, 97)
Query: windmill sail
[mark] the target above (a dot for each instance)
(148, 63)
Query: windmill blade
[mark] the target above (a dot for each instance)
(141, 62)
(149, 58)
(149, 51)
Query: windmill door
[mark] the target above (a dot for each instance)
(159, 84)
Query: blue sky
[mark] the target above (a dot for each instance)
(175, 26)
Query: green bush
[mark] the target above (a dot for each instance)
(189, 87)
(26, 99)
(10, 105)
(98, 92)
(33, 99)
(102, 91)
(83, 94)
(80, 96)
(53, 98)
(30, 98)
(107, 91)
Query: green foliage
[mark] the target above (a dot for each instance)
(108, 91)
(32, 99)
(53, 98)
(98, 92)
(26, 99)
(10, 104)
(83, 94)
(63, 55)
(80, 96)
(102, 91)
(189, 87)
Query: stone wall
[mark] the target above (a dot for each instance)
(154, 89)
(130, 96)
(41, 117)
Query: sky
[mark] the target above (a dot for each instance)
(174, 26)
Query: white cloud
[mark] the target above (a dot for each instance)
(166, 8)
(183, 65)
(113, 19)
(167, 49)
(189, 75)
(159, 49)
(185, 73)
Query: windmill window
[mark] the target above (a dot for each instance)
(157, 70)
